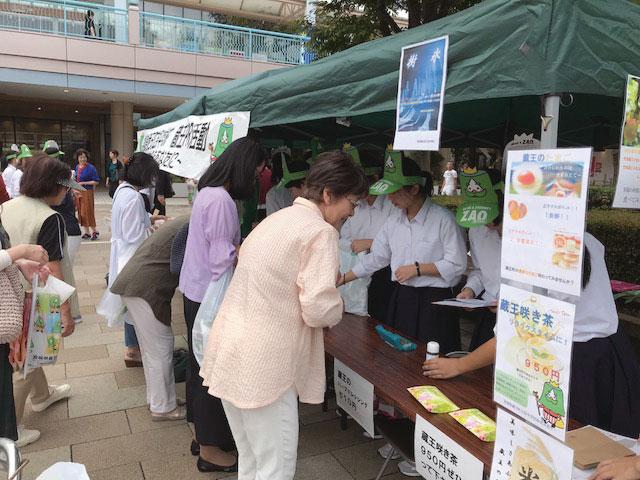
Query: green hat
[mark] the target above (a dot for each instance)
(52, 149)
(13, 152)
(479, 200)
(24, 152)
(287, 176)
(393, 178)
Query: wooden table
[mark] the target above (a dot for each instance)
(356, 344)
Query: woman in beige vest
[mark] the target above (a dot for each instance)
(29, 219)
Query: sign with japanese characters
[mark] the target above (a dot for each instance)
(440, 458)
(628, 187)
(534, 340)
(188, 146)
(544, 217)
(522, 452)
(423, 74)
(354, 395)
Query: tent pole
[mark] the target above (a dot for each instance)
(550, 120)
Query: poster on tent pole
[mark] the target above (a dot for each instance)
(628, 187)
(532, 372)
(423, 74)
(188, 146)
(523, 453)
(544, 218)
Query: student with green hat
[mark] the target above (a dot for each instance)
(366, 296)
(426, 251)
(481, 213)
(289, 177)
(14, 187)
(10, 169)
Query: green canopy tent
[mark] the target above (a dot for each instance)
(504, 56)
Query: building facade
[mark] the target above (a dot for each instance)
(84, 73)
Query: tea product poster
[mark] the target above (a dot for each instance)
(544, 218)
(628, 187)
(522, 452)
(423, 74)
(533, 360)
(188, 146)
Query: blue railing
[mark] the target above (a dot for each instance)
(161, 31)
(66, 18)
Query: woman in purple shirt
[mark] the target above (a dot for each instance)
(210, 255)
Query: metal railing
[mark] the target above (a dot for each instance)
(161, 31)
(68, 18)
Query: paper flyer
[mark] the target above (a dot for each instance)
(544, 218)
(628, 186)
(522, 452)
(532, 372)
(188, 146)
(422, 78)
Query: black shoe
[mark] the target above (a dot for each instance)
(195, 448)
(204, 466)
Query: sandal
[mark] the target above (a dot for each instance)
(94, 236)
(85, 236)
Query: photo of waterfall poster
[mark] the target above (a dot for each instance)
(423, 74)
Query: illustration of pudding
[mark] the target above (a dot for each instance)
(527, 179)
(517, 210)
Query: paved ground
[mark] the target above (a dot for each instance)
(105, 425)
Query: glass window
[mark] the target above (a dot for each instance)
(172, 11)
(35, 131)
(6, 133)
(153, 7)
(75, 135)
(192, 14)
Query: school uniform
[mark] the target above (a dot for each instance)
(432, 236)
(484, 279)
(365, 224)
(278, 198)
(605, 375)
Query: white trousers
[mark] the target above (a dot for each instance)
(73, 243)
(156, 347)
(266, 438)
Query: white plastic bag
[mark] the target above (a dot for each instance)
(65, 471)
(112, 308)
(207, 313)
(354, 294)
(45, 325)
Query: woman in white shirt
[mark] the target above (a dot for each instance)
(605, 376)
(288, 178)
(426, 251)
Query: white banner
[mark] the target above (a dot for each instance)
(533, 368)
(440, 458)
(354, 395)
(423, 74)
(188, 146)
(544, 218)
(628, 186)
(524, 453)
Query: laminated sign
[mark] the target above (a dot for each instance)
(354, 395)
(188, 146)
(628, 186)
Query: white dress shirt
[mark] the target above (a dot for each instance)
(486, 245)
(432, 236)
(596, 314)
(277, 198)
(14, 189)
(7, 174)
(366, 221)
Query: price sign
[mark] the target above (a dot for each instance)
(440, 458)
(354, 395)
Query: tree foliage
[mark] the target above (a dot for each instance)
(341, 24)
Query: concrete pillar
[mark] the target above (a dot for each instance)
(122, 127)
(134, 25)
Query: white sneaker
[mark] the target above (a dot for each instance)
(408, 468)
(385, 450)
(366, 434)
(26, 436)
(56, 393)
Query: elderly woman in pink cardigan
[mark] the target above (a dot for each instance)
(266, 349)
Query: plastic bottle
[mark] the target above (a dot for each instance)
(433, 350)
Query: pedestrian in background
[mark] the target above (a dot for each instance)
(114, 167)
(87, 176)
